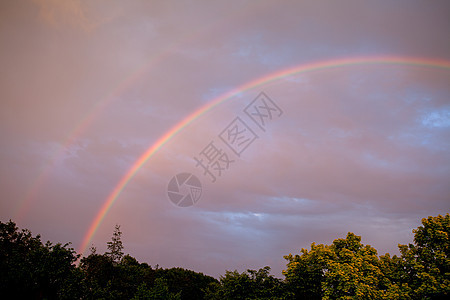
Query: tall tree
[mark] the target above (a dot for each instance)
(426, 263)
(346, 269)
(115, 246)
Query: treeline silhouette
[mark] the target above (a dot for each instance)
(346, 269)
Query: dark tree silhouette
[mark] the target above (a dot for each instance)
(115, 246)
(346, 269)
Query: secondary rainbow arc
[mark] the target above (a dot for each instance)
(24, 204)
(303, 68)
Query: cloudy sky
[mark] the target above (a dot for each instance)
(87, 87)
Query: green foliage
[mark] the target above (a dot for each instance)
(250, 284)
(353, 272)
(130, 279)
(423, 271)
(304, 274)
(188, 284)
(346, 269)
(432, 249)
(160, 291)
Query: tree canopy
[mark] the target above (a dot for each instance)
(345, 269)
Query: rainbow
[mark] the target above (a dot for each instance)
(303, 68)
(76, 132)
(83, 125)
(24, 204)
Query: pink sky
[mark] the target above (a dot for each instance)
(87, 86)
